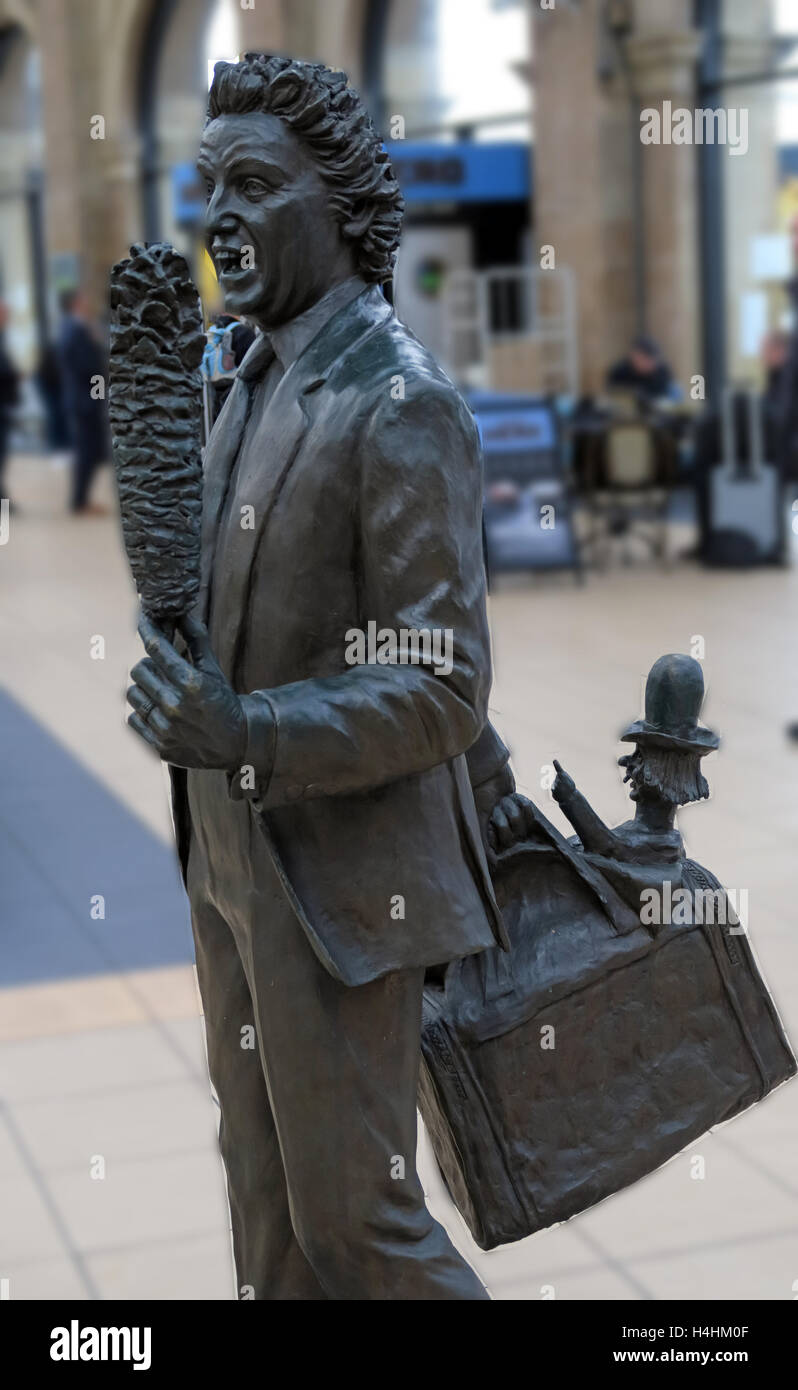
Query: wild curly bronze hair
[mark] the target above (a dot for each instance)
(330, 117)
(673, 773)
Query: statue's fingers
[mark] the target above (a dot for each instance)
(198, 643)
(140, 702)
(163, 654)
(160, 726)
(501, 827)
(155, 687)
(515, 817)
(143, 730)
(149, 713)
(140, 667)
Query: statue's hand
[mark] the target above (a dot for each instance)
(511, 820)
(564, 786)
(187, 710)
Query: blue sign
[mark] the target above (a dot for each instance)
(427, 173)
(513, 424)
(462, 173)
(188, 195)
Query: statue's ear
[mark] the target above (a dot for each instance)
(360, 221)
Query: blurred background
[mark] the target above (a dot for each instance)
(616, 295)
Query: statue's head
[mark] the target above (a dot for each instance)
(300, 192)
(670, 742)
(665, 774)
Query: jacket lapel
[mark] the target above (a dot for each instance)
(277, 442)
(273, 449)
(220, 455)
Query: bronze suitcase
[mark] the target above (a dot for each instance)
(560, 1072)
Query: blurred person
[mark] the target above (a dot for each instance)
(775, 357)
(82, 359)
(784, 388)
(50, 385)
(9, 395)
(644, 371)
(775, 354)
(229, 341)
(787, 409)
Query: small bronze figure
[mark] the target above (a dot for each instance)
(629, 1015)
(664, 771)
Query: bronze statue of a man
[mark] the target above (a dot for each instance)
(330, 828)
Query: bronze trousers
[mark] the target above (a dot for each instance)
(317, 1088)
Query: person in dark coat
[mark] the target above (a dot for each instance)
(83, 376)
(9, 395)
(642, 371)
(48, 380)
(327, 827)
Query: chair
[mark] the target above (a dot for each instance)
(527, 517)
(628, 495)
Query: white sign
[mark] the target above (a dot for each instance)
(770, 257)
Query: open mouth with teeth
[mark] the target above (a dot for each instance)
(228, 263)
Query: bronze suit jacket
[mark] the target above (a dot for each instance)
(367, 501)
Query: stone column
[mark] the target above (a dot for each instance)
(663, 64)
(62, 143)
(570, 204)
(261, 27)
(585, 170)
(750, 179)
(326, 33)
(90, 148)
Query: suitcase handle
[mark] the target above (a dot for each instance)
(731, 463)
(620, 916)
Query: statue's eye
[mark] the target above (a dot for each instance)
(254, 188)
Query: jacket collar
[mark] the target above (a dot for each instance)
(340, 333)
(288, 342)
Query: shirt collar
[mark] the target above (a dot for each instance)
(289, 341)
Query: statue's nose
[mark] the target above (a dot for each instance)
(218, 217)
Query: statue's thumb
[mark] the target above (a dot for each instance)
(199, 643)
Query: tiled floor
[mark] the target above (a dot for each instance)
(101, 1056)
